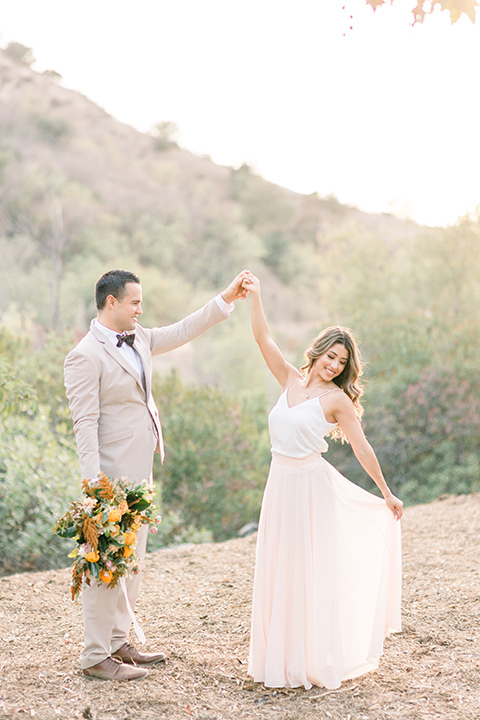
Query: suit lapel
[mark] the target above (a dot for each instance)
(146, 359)
(114, 353)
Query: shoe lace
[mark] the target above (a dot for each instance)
(112, 661)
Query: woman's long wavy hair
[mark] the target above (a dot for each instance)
(349, 378)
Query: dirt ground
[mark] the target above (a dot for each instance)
(195, 605)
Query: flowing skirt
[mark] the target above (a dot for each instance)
(327, 577)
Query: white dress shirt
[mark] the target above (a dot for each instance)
(129, 353)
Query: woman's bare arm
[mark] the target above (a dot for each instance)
(345, 416)
(273, 356)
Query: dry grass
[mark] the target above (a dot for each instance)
(195, 604)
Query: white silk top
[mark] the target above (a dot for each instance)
(300, 430)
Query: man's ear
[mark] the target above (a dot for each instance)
(111, 301)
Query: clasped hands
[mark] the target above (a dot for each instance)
(236, 289)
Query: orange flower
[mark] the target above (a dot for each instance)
(123, 507)
(114, 515)
(127, 551)
(130, 538)
(106, 576)
(92, 556)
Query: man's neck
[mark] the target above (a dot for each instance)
(106, 324)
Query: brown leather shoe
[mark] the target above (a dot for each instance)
(112, 669)
(129, 654)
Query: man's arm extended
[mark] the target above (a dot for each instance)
(173, 336)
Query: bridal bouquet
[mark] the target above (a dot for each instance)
(105, 523)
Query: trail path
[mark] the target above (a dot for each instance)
(195, 604)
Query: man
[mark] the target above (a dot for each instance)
(108, 379)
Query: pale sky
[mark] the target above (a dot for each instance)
(384, 116)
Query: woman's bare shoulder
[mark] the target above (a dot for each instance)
(340, 400)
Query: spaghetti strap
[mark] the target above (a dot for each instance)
(289, 386)
(327, 392)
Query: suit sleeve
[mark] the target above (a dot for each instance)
(173, 336)
(82, 386)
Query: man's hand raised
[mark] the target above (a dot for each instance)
(236, 291)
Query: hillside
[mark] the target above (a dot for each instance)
(80, 191)
(67, 132)
(195, 603)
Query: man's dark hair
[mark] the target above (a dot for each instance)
(113, 283)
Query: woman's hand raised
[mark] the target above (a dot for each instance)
(251, 283)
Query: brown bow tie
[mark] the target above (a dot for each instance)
(129, 339)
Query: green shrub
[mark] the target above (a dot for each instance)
(36, 483)
(172, 531)
(216, 462)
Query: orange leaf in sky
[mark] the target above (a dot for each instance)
(457, 8)
(375, 3)
(418, 12)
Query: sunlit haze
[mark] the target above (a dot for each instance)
(385, 116)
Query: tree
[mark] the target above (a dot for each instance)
(165, 134)
(456, 8)
(20, 53)
(49, 215)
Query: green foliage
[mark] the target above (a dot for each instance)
(38, 463)
(437, 431)
(222, 247)
(36, 474)
(15, 395)
(416, 310)
(53, 129)
(277, 254)
(52, 74)
(215, 466)
(165, 134)
(20, 53)
(173, 531)
(45, 222)
(264, 206)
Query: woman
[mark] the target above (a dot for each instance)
(327, 574)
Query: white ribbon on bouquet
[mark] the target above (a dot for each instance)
(138, 630)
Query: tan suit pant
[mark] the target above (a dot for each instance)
(105, 616)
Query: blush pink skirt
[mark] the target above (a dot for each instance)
(327, 584)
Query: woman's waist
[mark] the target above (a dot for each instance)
(280, 459)
(298, 447)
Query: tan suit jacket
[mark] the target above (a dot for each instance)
(115, 419)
